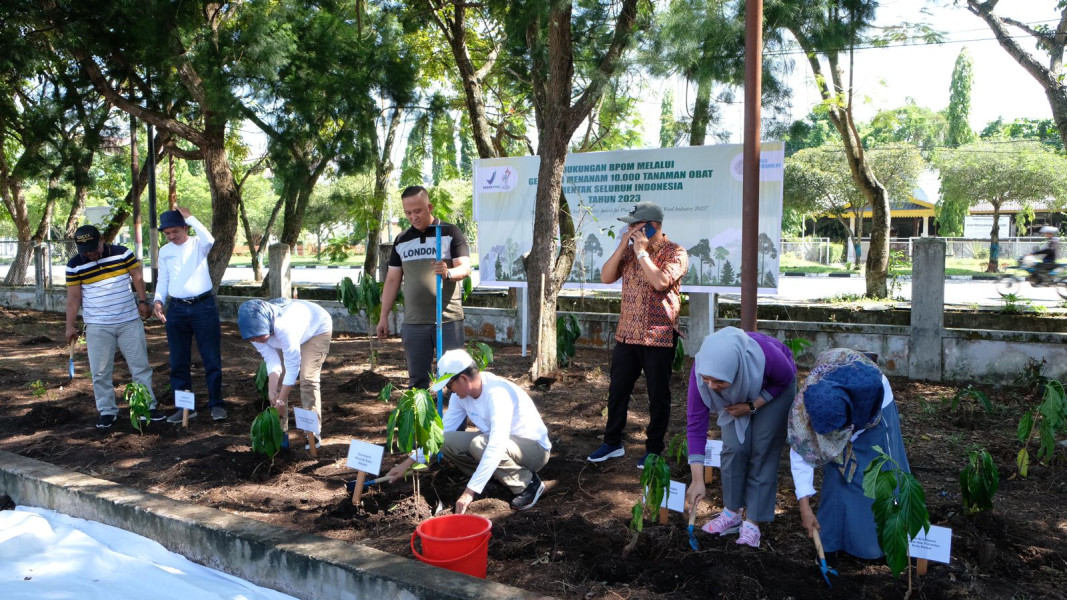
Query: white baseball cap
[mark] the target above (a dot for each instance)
(1049, 229)
(451, 363)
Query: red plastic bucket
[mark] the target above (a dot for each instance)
(455, 542)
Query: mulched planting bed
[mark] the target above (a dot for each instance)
(570, 544)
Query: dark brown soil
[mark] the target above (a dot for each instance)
(570, 544)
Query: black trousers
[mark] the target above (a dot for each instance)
(627, 363)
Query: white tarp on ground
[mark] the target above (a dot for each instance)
(46, 555)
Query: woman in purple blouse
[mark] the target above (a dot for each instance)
(749, 380)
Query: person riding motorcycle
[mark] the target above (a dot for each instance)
(1048, 253)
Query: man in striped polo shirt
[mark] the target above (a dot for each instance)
(98, 282)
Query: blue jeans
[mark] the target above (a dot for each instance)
(184, 321)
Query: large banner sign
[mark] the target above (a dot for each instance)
(698, 188)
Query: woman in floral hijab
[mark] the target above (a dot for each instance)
(844, 409)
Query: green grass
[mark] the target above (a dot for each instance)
(953, 266)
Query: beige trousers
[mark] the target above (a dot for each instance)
(312, 354)
(522, 457)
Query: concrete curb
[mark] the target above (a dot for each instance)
(303, 565)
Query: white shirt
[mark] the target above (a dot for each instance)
(503, 410)
(804, 472)
(183, 269)
(298, 322)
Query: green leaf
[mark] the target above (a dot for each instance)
(1023, 462)
(267, 432)
(1026, 425)
(1047, 437)
(405, 424)
(386, 392)
(263, 381)
(390, 428)
(679, 355)
(637, 520)
(871, 475)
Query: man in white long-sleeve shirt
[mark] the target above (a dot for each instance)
(299, 332)
(511, 444)
(191, 310)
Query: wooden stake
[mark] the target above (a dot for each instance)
(920, 566)
(357, 493)
(185, 417)
(662, 516)
(709, 475)
(312, 444)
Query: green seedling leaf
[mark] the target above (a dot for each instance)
(481, 353)
(1023, 462)
(139, 398)
(386, 392)
(679, 355)
(1026, 425)
(263, 381)
(899, 507)
(267, 433)
(979, 481)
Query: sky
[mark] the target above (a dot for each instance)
(886, 77)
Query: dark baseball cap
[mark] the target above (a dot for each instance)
(87, 238)
(644, 212)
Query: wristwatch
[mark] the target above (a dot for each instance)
(143, 302)
(751, 407)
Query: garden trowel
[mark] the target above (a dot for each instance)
(826, 571)
(351, 485)
(692, 534)
(70, 363)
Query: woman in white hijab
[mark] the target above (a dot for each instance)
(749, 380)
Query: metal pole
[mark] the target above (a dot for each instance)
(153, 233)
(440, 341)
(750, 160)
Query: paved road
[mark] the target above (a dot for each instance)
(962, 292)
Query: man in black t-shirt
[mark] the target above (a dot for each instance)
(413, 263)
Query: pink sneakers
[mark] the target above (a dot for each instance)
(749, 535)
(726, 522)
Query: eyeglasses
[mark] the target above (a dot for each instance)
(451, 382)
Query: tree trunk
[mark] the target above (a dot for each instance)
(296, 202)
(121, 213)
(994, 240)
(539, 265)
(701, 113)
(558, 116)
(225, 198)
(382, 172)
(455, 32)
(862, 175)
(15, 200)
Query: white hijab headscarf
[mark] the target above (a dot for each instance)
(732, 356)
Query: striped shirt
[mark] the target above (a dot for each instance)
(107, 298)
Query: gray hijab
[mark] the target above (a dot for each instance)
(730, 355)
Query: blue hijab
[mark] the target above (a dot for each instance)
(256, 317)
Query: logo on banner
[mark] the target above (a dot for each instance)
(496, 179)
(771, 165)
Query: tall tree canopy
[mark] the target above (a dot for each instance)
(1045, 64)
(998, 174)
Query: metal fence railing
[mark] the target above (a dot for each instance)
(814, 249)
